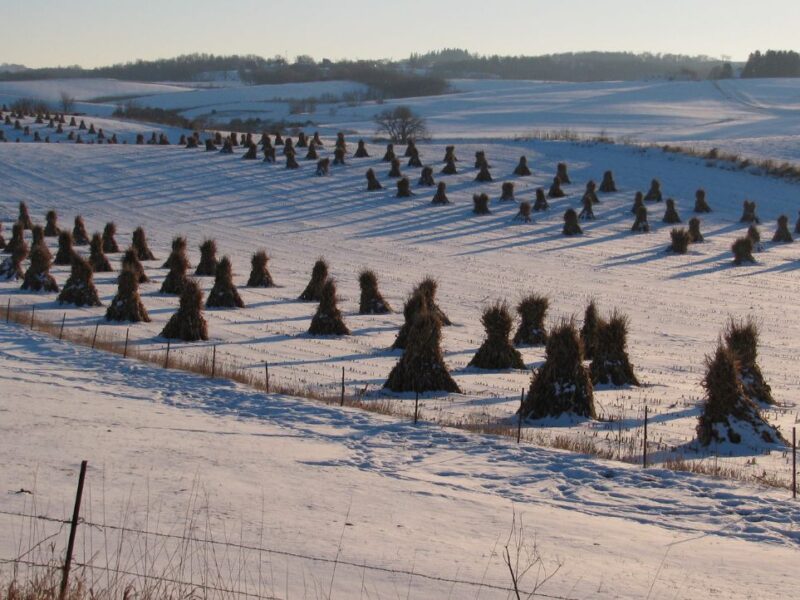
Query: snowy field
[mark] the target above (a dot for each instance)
(186, 456)
(756, 118)
(677, 306)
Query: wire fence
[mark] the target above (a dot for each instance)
(141, 575)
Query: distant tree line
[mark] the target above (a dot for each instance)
(772, 63)
(579, 67)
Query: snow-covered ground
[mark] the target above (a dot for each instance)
(187, 456)
(739, 540)
(677, 304)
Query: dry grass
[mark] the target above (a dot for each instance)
(622, 446)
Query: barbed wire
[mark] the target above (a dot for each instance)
(275, 551)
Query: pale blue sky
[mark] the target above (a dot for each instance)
(99, 32)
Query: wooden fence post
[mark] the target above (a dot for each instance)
(8, 310)
(341, 401)
(519, 422)
(61, 331)
(33, 313)
(166, 358)
(794, 462)
(416, 407)
(72, 531)
(266, 375)
(94, 337)
(213, 361)
(644, 448)
(125, 351)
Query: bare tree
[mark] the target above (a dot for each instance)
(401, 124)
(67, 102)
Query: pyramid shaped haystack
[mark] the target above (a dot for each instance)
(372, 181)
(483, 175)
(590, 328)
(587, 212)
(24, 216)
(422, 368)
(700, 204)
(610, 363)
(224, 293)
(79, 235)
(65, 250)
(654, 193)
(562, 384)
(591, 192)
(11, 267)
(178, 266)
(361, 150)
(524, 213)
(38, 240)
(131, 261)
(695, 235)
(127, 305)
(507, 191)
(480, 160)
(679, 241)
(207, 266)
(426, 177)
(571, 226)
(755, 236)
(532, 310)
(371, 301)
(338, 156)
(188, 323)
(480, 204)
(38, 277)
(390, 155)
(17, 243)
(51, 224)
(541, 201)
(252, 152)
(312, 153)
(323, 167)
(319, 275)
(259, 271)
(671, 214)
(555, 190)
(782, 233)
(97, 258)
(638, 201)
(109, 241)
(404, 188)
(728, 413)
(440, 197)
(449, 168)
(608, 184)
(140, 245)
(640, 225)
(394, 171)
(749, 213)
(79, 289)
(522, 169)
(561, 173)
(424, 293)
(741, 338)
(291, 162)
(328, 318)
(179, 246)
(742, 250)
(497, 352)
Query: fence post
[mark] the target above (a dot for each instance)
(519, 422)
(166, 358)
(33, 313)
(125, 351)
(61, 331)
(8, 310)
(94, 337)
(416, 407)
(794, 462)
(644, 448)
(341, 402)
(266, 374)
(72, 531)
(213, 361)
